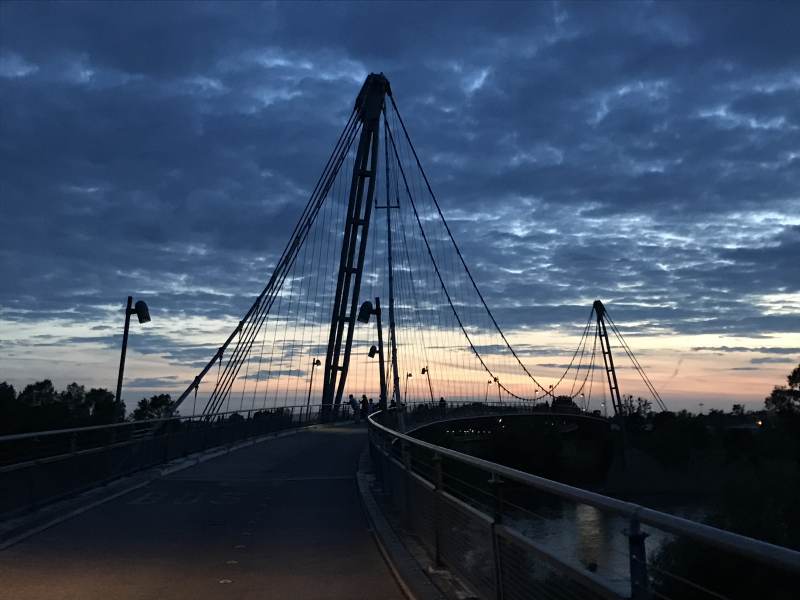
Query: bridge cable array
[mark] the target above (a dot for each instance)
(443, 340)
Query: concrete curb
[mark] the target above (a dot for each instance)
(413, 581)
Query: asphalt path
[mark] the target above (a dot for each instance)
(281, 519)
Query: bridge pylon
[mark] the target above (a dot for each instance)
(608, 359)
(369, 105)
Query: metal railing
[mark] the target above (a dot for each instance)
(504, 531)
(39, 467)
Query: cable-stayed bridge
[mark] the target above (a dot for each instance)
(373, 229)
(259, 483)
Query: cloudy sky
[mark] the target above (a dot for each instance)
(647, 154)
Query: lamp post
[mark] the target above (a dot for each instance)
(314, 363)
(497, 381)
(488, 384)
(401, 410)
(405, 388)
(143, 315)
(426, 371)
(364, 313)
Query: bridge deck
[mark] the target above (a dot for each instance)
(286, 510)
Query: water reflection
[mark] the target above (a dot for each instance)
(584, 535)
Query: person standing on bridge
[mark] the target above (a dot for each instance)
(442, 405)
(354, 407)
(364, 407)
(371, 407)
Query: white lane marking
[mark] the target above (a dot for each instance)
(10, 542)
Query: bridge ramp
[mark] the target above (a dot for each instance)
(281, 519)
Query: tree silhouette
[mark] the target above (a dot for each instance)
(786, 399)
(40, 407)
(8, 395)
(40, 393)
(74, 397)
(104, 407)
(155, 407)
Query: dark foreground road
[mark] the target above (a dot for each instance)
(281, 519)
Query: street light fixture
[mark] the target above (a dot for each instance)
(143, 315)
(488, 384)
(365, 311)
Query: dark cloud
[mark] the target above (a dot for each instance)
(758, 349)
(154, 382)
(762, 360)
(167, 149)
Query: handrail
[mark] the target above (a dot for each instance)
(48, 432)
(719, 538)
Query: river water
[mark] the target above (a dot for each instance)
(587, 536)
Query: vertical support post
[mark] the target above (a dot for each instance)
(640, 588)
(118, 397)
(406, 457)
(166, 441)
(496, 485)
(314, 363)
(401, 417)
(438, 481)
(390, 264)
(107, 453)
(427, 372)
(382, 402)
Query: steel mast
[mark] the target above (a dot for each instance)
(369, 105)
(608, 360)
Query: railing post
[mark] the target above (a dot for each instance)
(166, 441)
(112, 439)
(496, 485)
(437, 507)
(406, 458)
(386, 473)
(640, 589)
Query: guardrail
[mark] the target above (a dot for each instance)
(37, 468)
(483, 520)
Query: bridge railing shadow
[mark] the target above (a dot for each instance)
(40, 467)
(511, 534)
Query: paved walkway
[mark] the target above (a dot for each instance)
(281, 519)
